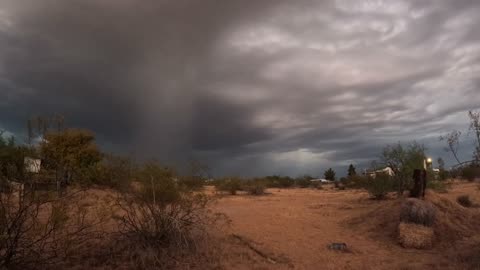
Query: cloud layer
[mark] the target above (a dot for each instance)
(251, 87)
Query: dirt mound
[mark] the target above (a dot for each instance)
(415, 236)
(452, 221)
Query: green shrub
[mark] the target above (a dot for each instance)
(379, 186)
(464, 200)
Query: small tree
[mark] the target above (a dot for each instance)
(403, 160)
(12, 158)
(475, 128)
(351, 170)
(453, 143)
(68, 152)
(379, 187)
(330, 174)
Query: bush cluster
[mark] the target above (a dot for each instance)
(464, 200)
(380, 186)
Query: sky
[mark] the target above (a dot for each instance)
(247, 87)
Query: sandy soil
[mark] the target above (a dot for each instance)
(291, 229)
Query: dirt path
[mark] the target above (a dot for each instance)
(294, 227)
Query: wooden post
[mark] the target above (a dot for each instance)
(424, 182)
(419, 183)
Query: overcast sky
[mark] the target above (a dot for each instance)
(250, 87)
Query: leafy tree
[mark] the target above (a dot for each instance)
(12, 158)
(330, 174)
(403, 160)
(351, 170)
(69, 152)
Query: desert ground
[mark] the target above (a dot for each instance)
(291, 229)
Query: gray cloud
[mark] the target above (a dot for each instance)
(251, 87)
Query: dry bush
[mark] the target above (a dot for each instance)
(255, 187)
(43, 230)
(464, 200)
(418, 212)
(157, 233)
(162, 224)
(316, 185)
(415, 236)
(303, 182)
(438, 186)
(230, 185)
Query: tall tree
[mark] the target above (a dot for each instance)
(330, 174)
(351, 170)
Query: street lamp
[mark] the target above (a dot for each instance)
(427, 163)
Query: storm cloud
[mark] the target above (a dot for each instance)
(250, 87)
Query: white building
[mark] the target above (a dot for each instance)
(32, 165)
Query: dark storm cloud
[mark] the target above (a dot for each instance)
(252, 87)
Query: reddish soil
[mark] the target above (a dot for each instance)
(291, 229)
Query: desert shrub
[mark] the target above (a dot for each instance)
(316, 185)
(191, 182)
(195, 176)
(41, 231)
(255, 187)
(303, 182)
(438, 186)
(418, 212)
(230, 185)
(157, 183)
(340, 185)
(464, 200)
(470, 173)
(278, 181)
(112, 171)
(379, 187)
(162, 224)
(415, 236)
(159, 213)
(356, 181)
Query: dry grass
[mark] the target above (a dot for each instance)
(415, 236)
